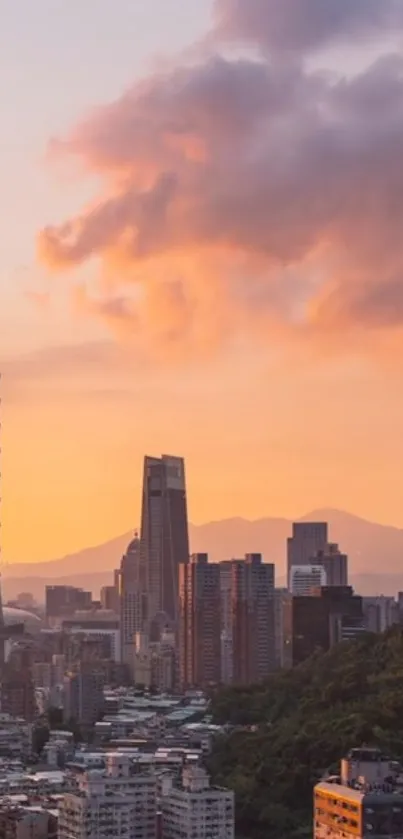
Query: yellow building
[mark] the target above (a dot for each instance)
(365, 800)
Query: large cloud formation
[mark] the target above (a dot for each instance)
(249, 195)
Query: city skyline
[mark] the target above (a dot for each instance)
(249, 320)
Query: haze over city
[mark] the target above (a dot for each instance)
(201, 253)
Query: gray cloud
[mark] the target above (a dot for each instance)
(305, 25)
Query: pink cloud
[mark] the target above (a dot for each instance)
(225, 178)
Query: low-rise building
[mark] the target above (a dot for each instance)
(193, 809)
(365, 800)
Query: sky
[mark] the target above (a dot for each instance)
(200, 254)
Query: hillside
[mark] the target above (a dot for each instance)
(307, 719)
(371, 547)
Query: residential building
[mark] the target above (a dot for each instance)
(320, 620)
(164, 534)
(253, 632)
(19, 822)
(380, 613)
(84, 694)
(199, 623)
(364, 800)
(227, 667)
(17, 693)
(195, 810)
(304, 578)
(119, 801)
(307, 539)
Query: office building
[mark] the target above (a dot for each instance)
(320, 620)
(131, 599)
(366, 799)
(253, 632)
(308, 538)
(84, 694)
(195, 810)
(305, 578)
(164, 534)
(199, 623)
(334, 563)
(63, 601)
(119, 801)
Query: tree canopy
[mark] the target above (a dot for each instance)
(301, 722)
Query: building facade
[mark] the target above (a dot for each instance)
(364, 800)
(304, 578)
(196, 810)
(253, 630)
(131, 599)
(199, 623)
(118, 802)
(164, 534)
(320, 620)
(308, 538)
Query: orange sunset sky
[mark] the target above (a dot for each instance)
(201, 254)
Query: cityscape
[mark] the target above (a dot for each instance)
(113, 711)
(201, 413)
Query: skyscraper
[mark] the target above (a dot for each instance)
(200, 623)
(307, 539)
(253, 633)
(305, 578)
(164, 533)
(131, 598)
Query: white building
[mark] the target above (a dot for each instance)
(304, 578)
(118, 802)
(196, 810)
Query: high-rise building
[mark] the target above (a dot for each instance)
(307, 539)
(131, 599)
(110, 598)
(63, 601)
(380, 613)
(196, 810)
(118, 802)
(84, 694)
(253, 634)
(335, 564)
(164, 533)
(199, 623)
(17, 693)
(320, 620)
(304, 578)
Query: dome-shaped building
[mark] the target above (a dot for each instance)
(12, 615)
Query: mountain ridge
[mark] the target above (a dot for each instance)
(369, 545)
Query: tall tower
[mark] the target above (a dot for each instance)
(164, 533)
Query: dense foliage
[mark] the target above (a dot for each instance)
(304, 720)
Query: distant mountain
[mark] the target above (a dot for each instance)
(370, 547)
